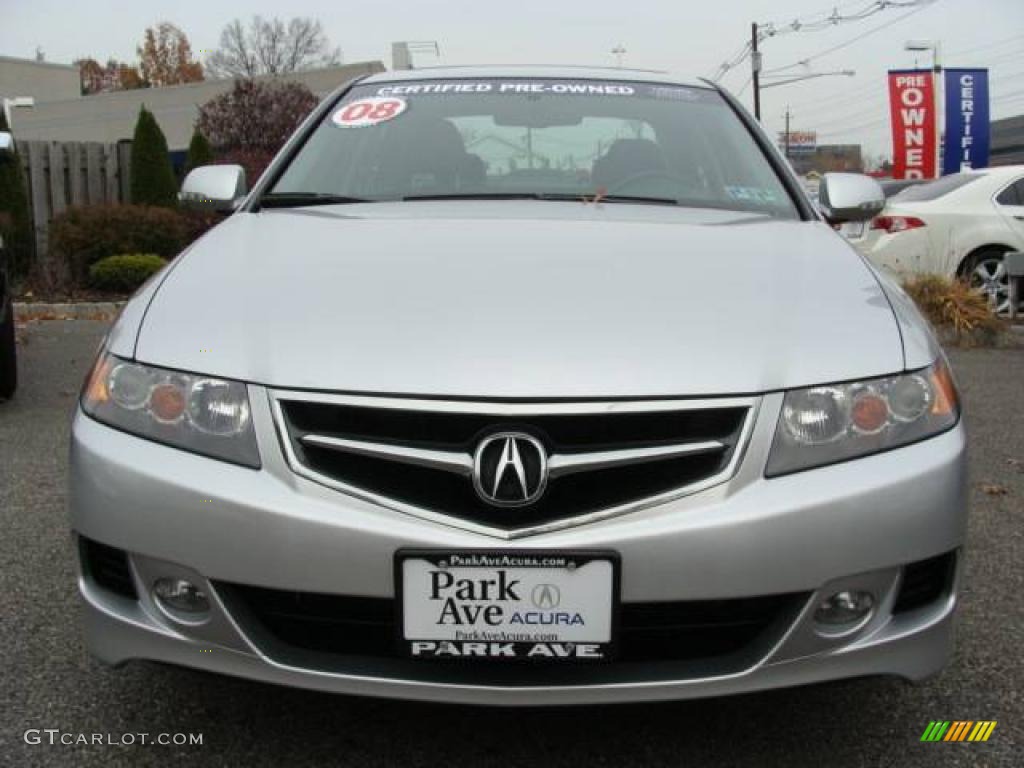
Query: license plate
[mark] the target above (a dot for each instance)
(852, 229)
(537, 606)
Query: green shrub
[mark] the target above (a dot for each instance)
(199, 151)
(125, 272)
(152, 176)
(83, 235)
(15, 222)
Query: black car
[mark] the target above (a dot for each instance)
(8, 362)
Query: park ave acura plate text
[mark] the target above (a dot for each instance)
(538, 606)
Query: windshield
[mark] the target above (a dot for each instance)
(548, 139)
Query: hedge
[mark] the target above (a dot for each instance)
(15, 222)
(83, 235)
(124, 272)
(152, 177)
(199, 151)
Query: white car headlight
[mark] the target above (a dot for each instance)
(833, 423)
(197, 413)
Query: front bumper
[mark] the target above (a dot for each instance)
(853, 525)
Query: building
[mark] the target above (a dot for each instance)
(41, 80)
(1007, 141)
(827, 158)
(110, 117)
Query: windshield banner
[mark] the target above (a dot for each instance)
(534, 88)
(967, 121)
(912, 109)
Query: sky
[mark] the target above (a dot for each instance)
(681, 36)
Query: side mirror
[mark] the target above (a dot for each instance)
(849, 197)
(6, 143)
(214, 188)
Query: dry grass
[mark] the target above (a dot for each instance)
(957, 312)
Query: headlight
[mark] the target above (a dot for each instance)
(197, 413)
(828, 424)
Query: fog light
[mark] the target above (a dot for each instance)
(180, 595)
(843, 609)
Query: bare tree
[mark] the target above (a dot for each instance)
(271, 47)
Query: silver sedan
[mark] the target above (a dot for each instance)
(522, 386)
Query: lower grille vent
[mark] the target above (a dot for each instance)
(108, 567)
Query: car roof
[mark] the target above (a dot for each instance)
(561, 72)
(997, 170)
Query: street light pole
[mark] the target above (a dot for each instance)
(22, 102)
(935, 46)
(811, 76)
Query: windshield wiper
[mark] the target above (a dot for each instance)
(475, 196)
(599, 198)
(552, 196)
(301, 199)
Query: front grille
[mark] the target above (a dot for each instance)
(108, 567)
(925, 581)
(314, 427)
(307, 628)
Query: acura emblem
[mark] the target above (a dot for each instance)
(510, 469)
(546, 596)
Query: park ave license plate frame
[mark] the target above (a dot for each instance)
(539, 606)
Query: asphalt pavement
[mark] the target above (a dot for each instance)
(48, 681)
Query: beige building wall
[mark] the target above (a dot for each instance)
(41, 80)
(110, 117)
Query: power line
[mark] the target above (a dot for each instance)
(853, 128)
(733, 61)
(836, 124)
(813, 23)
(843, 96)
(805, 61)
(1005, 96)
(824, 20)
(987, 46)
(1009, 56)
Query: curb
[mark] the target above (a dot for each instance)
(90, 310)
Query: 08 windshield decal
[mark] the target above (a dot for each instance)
(367, 112)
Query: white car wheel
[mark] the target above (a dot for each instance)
(988, 277)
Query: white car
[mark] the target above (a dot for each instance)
(959, 225)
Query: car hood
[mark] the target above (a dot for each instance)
(531, 300)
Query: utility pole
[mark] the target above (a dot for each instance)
(787, 132)
(755, 70)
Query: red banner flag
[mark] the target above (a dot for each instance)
(912, 109)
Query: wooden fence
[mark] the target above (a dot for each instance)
(61, 174)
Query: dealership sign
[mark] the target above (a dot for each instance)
(800, 142)
(967, 120)
(912, 108)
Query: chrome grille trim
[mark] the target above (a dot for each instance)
(442, 459)
(447, 461)
(559, 464)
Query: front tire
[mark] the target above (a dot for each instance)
(8, 355)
